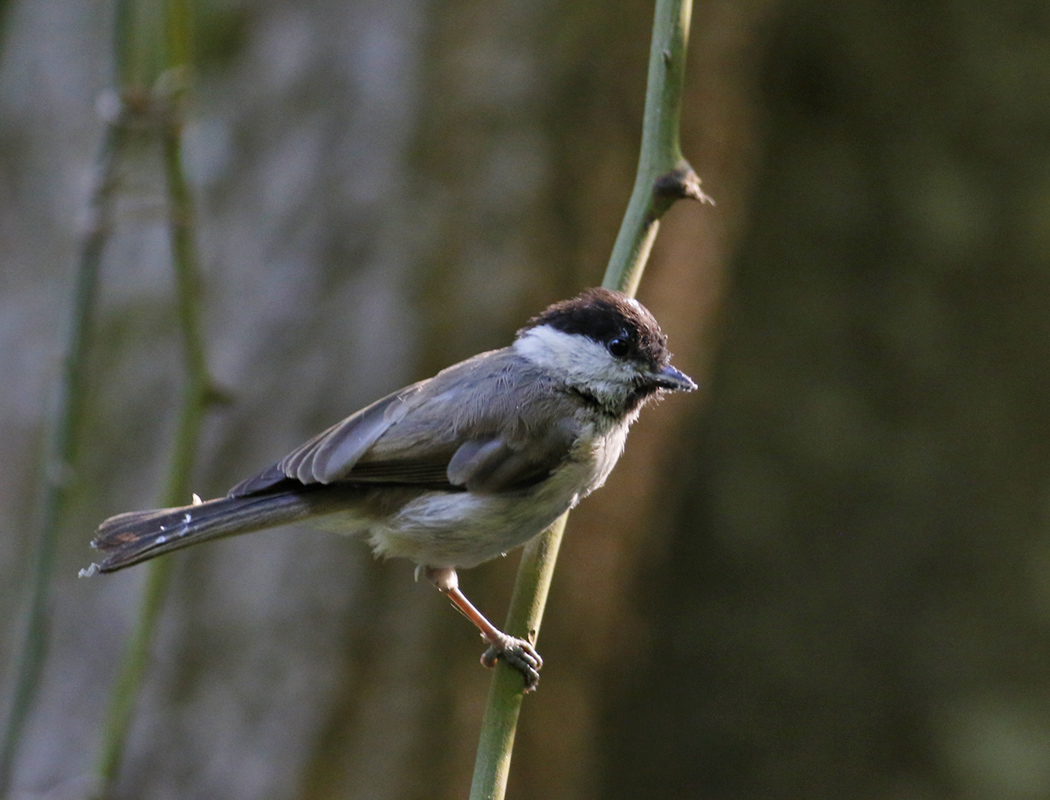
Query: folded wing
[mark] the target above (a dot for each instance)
(472, 426)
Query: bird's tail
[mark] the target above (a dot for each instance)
(131, 538)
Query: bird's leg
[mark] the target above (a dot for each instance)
(518, 653)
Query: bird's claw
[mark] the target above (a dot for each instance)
(519, 654)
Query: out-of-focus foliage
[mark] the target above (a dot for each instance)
(823, 577)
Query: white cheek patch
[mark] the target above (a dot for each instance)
(575, 359)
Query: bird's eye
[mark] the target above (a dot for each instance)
(619, 347)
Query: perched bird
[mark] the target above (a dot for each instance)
(457, 469)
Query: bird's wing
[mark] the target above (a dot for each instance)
(472, 426)
(342, 444)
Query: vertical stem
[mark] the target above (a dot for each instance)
(196, 395)
(663, 177)
(663, 174)
(125, 691)
(179, 34)
(500, 722)
(59, 475)
(195, 401)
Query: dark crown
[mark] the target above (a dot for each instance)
(604, 315)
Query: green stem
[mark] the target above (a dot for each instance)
(125, 691)
(663, 173)
(5, 7)
(663, 177)
(59, 475)
(195, 402)
(196, 398)
(523, 620)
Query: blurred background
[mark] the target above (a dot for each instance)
(825, 575)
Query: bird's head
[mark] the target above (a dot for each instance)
(604, 345)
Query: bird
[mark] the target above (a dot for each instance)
(456, 469)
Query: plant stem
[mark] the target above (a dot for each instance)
(59, 475)
(523, 620)
(663, 173)
(196, 397)
(125, 691)
(663, 177)
(197, 392)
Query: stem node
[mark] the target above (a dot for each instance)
(681, 183)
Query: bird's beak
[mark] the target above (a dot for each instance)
(670, 378)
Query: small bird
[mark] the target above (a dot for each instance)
(456, 469)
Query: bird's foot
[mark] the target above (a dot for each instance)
(518, 653)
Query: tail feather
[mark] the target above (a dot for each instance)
(131, 538)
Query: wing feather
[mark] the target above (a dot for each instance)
(333, 453)
(478, 425)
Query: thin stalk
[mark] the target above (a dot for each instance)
(663, 177)
(5, 7)
(197, 394)
(196, 397)
(58, 473)
(492, 766)
(663, 173)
